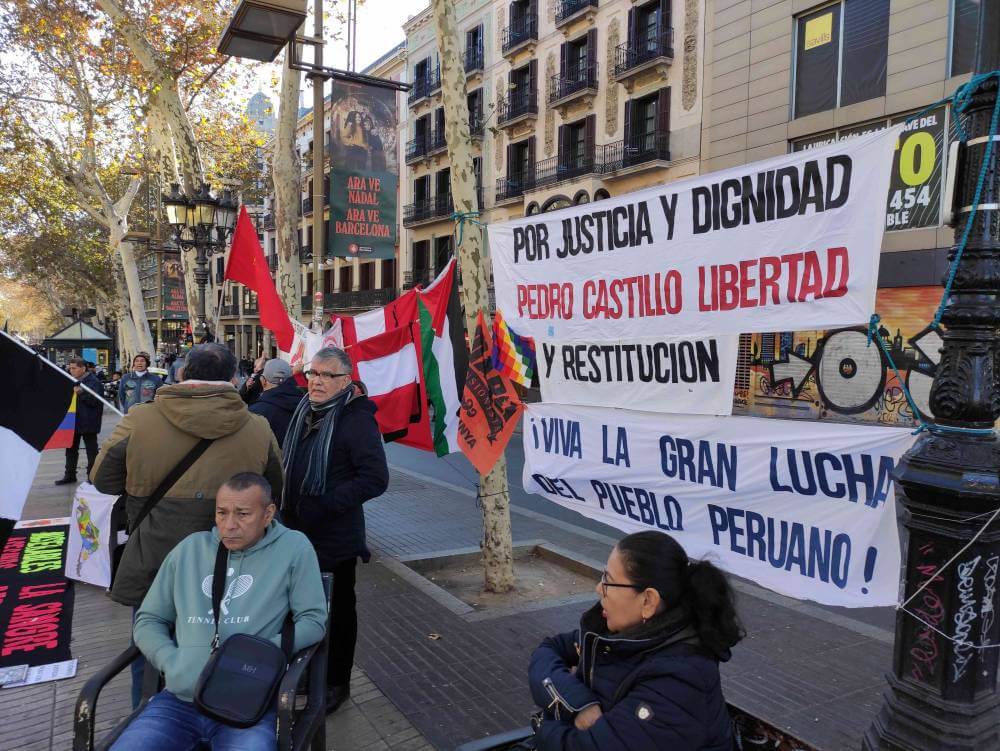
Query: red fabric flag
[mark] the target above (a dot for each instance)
(490, 406)
(248, 266)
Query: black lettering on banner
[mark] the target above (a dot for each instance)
(624, 362)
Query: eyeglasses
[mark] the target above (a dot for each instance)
(324, 375)
(605, 584)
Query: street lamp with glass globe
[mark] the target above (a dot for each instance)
(203, 222)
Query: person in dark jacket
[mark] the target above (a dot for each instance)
(280, 395)
(642, 671)
(89, 412)
(334, 461)
(139, 386)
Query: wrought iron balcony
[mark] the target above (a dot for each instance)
(474, 59)
(436, 141)
(556, 169)
(575, 82)
(268, 222)
(425, 85)
(568, 9)
(417, 148)
(229, 311)
(417, 276)
(517, 105)
(443, 205)
(307, 205)
(636, 150)
(250, 308)
(305, 253)
(636, 53)
(360, 298)
(520, 31)
(515, 185)
(476, 124)
(418, 211)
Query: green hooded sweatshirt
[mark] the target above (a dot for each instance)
(277, 574)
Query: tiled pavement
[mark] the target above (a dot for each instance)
(801, 668)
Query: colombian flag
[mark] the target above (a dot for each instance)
(63, 437)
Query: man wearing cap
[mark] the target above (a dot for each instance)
(280, 395)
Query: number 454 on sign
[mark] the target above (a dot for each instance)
(902, 201)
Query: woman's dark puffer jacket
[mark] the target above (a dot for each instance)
(657, 688)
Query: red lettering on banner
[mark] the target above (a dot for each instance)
(793, 277)
(30, 591)
(32, 627)
(11, 555)
(541, 301)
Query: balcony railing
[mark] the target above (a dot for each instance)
(229, 310)
(637, 52)
(443, 205)
(272, 262)
(417, 148)
(635, 150)
(425, 85)
(418, 211)
(520, 31)
(476, 124)
(518, 104)
(250, 308)
(474, 58)
(554, 170)
(361, 298)
(415, 276)
(268, 222)
(305, 253)
(569, 8)
(307, 205)
(436, 141)
(563, 87)
(515, 185)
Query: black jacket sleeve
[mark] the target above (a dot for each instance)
(367, 456)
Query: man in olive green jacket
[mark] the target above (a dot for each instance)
(153, 438)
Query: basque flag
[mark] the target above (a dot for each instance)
(36, 400)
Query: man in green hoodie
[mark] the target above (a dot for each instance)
(272, 571)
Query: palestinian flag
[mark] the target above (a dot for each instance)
(37, 397)
(438, 312)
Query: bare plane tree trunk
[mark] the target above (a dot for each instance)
(495, 497)
(285, 177)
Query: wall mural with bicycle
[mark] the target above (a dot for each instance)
(835, 375)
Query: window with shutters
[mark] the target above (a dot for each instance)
(841, 54)
(521, 99)
(577, 67)
(474, 49)
(964, 25)
(389, 273)
(523, 25)
(328, 280)
(346, 280)
(650, 38)
(442, 192)
(442, 252)
(474, 103)
(647, 131)
(367, 276)
(437, 140)
(421, 260)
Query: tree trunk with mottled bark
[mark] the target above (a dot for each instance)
(494, 494)
(285, 178)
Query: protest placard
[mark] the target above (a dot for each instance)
(778, 245)
(803, 508)
(684, 375)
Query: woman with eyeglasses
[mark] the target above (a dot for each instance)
(642, 671)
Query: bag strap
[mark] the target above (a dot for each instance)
(218, 587)
(171, 479)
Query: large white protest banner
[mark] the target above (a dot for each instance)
(784, 244)
(804, 508)
(658, 374)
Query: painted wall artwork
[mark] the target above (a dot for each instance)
(835, 375)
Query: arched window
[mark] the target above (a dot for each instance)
(600, 194)
(556, 202)
(581, 197)
(532, 209)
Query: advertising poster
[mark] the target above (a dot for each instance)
(364, 171)
(173, 302)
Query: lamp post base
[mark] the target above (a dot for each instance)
(915, 720)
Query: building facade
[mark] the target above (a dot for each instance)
(569, 101)
(787, 75)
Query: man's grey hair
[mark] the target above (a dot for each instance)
(246, 480)
(209, 362)
(336, 353)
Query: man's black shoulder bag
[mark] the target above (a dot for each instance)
(238, 684)
(118, 514)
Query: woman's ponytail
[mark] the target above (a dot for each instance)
(710, 603)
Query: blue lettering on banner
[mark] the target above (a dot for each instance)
(809, 551)
(561, 436)
(621, 448)
(835, 476)
(557, 486)
(640, 505)
(679, 457)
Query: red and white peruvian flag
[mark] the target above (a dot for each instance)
(389, 364)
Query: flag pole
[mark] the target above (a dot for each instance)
(63, 373)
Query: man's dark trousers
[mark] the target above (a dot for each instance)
(73, 452)
(343, 624)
